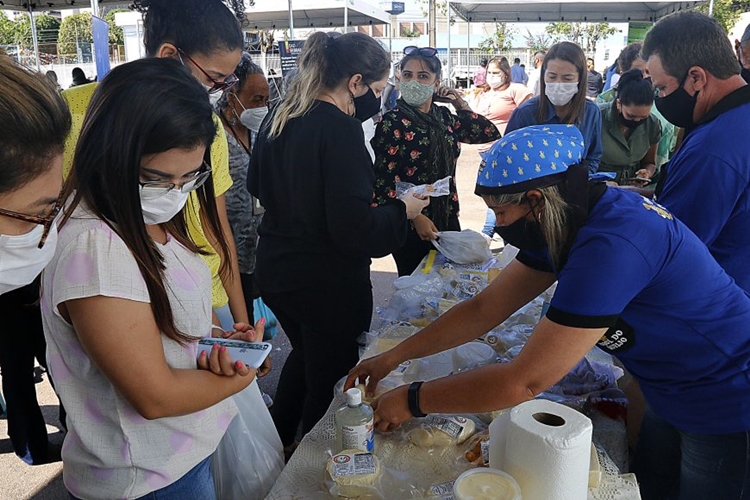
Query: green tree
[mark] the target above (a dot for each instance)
(7, 30)
(586, 35)
(499, 41)
(47, 29)
(537, 42)
(74, 29)
(726, 12)
(116, 35)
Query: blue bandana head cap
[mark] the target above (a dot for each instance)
(530, 158)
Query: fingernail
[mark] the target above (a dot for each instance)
(238, 365)
(262, 321)
(215, 346)
(222, 348)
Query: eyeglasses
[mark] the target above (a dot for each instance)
(46, 222)
(422, 51)
(161, 188)
(217, 86)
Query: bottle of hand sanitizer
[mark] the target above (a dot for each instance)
(354, 423)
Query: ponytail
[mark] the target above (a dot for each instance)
(325, 63)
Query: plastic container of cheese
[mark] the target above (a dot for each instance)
(486, 484)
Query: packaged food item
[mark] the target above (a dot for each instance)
(353, 474)
(439, 431)
(442, 491)
(478, 449)
(486, 484)
(354, 423)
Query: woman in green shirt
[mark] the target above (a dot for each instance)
(630, 133)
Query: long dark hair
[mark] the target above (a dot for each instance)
(141, 108)
(572, 53)
(194, 26)
(35, 122)
(634, 90)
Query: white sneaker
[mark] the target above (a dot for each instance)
(267, 399)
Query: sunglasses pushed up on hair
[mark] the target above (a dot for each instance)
(422, 51)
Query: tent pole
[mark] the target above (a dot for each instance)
(34, 38)
(291, 21)
(448, 24)
(468, 51)
(711, 8)
(346, 16)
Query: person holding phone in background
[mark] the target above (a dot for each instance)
(419, 142)
(630, 132)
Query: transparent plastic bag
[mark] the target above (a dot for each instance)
(439, 188)
(250, 456)
(463, 247)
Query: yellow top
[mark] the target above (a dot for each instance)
(78, 99)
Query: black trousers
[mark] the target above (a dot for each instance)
(250, 291)
(411, 254)
(322, 325)
(22, 340)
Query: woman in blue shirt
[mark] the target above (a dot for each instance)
(683, 335)
(561, 100)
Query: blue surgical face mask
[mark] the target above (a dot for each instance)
(415, 93)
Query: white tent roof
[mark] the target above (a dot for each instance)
(566, 10)
(313, 14)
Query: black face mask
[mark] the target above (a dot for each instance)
(523, 234)
(678, 106)
(631, 124)
(366, 106)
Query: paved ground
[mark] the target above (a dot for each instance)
(19, 481)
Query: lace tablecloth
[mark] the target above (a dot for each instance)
(412, 470)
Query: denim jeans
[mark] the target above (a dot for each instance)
(677, 465)
(196, 484)
(490, 221)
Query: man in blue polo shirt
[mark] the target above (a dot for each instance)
(707, 184)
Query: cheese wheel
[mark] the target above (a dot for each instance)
(354, 473)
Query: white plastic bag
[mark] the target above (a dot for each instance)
(250, 456)
(438, 188)
(463, 247)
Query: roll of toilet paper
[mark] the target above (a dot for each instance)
(547, 450)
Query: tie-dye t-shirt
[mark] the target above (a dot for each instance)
(110, 451)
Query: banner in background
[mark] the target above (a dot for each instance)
(289, 51)
(100, 30)
(637, 31)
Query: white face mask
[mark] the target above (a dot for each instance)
(560, 94)
(495, 81)
(158, 207)
(20, 259)
(253, 117)
(213, 97)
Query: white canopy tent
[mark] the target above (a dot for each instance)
(567, 10)
(313, 14)
(564, 10)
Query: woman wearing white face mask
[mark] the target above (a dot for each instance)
(127, 295)
(502, 96)
(242, 110)
(562, 100)
(32, 132)
(497, 103)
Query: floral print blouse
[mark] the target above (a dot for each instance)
(402, 151)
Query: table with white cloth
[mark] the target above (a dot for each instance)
(418, 299)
